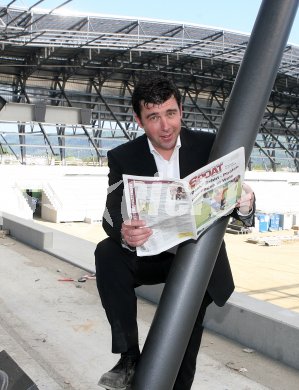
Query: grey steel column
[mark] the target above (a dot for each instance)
(183, 293)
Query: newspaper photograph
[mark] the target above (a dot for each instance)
(181, 209)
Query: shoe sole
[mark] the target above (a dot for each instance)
(115, 388)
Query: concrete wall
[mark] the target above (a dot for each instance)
(259, 325)
(28, 232)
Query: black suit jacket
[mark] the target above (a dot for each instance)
(135, 158)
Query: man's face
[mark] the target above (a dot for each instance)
(162, 125)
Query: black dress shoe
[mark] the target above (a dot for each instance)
(121, 375)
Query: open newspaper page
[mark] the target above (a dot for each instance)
(165, 206)
(216, 188)
(181, 209)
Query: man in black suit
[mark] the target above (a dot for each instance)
(171, 151)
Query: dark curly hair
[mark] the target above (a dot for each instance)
(155, 90)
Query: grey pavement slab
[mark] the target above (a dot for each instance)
(58, 334)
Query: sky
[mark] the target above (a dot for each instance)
(236, 15)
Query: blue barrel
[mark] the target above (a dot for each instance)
(263, 222)
(274, 222)
(281, 221)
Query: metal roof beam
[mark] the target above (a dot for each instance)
(278, 141)
(45, 15)
(9, 147)
(27, 11)
(201, 111)
(127, 135)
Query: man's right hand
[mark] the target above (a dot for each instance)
(135, 232)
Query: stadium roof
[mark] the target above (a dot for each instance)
(82, 70)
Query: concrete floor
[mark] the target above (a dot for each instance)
(58, 334)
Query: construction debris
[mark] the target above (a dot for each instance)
(87, 277)
(235, 366)
(272, 240)
(237, 229)
(4, 233)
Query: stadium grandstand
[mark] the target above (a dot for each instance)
(66, 84)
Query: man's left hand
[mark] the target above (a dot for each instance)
(245, 203)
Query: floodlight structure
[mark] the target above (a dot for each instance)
(73, 62)
(186, 285)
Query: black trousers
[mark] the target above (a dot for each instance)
(118, 272)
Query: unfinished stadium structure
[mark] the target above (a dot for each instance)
(65, 99)
(66, 84)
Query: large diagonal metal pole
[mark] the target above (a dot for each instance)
(185, 288)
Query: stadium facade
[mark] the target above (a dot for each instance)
(66, 84)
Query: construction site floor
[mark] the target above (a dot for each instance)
(55, 328)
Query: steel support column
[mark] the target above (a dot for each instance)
(22, 140)
(183, 293)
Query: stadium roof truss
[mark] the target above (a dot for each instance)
(66, 83)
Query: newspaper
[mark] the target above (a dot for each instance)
(181, 209)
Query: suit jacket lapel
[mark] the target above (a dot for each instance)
(150, 168)
(146, 162)
(184, 157)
